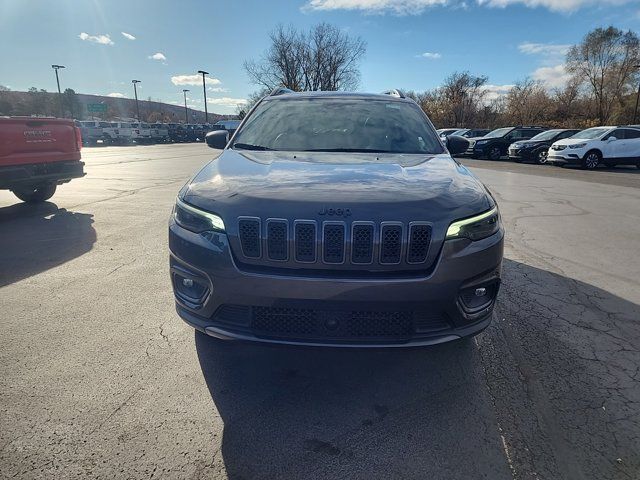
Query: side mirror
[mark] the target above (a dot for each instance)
(456, 144)
(611, 139)
(217, 139)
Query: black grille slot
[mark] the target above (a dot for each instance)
(305, 240)
(283, 321)
(331, 325)
(380, 324)
(249, 231)
(277, 237)
(333, 250)
(419, 240)
(391, 244)
(362, 244)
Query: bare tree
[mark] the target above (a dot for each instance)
(332, 59)
(462, 96)
(326, 58)
(605, 60)
(527, 103)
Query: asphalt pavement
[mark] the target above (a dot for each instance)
(100, 378)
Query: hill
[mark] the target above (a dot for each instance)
(83, 106)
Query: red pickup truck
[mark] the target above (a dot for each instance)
(37, 155)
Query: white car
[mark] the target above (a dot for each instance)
(590, 147)
(159, 133)
(141, 132)
(123, 132)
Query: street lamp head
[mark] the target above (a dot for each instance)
(203, 72)
(136, 81)
(56, 67)
(185, 90)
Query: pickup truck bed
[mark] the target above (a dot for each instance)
(37, 154)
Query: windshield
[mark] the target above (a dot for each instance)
(498, 132)
(462, 132)
(330, 124)
(548, 135)
(591, 133)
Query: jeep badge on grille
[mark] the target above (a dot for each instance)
(338, 212)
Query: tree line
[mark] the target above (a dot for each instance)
(603, 73)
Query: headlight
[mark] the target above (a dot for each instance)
(578, 145)
(481, 142)
(525, 145)
(476, 228)
(196, 220)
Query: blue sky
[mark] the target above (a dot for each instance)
(411, 44)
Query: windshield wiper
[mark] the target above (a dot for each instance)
(351, 150)
(249, 146)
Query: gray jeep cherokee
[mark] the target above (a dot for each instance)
(336, 219)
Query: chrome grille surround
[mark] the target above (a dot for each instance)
(334, 242)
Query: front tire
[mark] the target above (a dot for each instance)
(541, 157)
(591, 160)
(37, 193)
(494, 153)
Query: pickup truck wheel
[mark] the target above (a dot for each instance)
(36, 194)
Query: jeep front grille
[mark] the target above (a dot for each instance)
(305, 241)
(277, 239)
(334, 242)
(249, 231)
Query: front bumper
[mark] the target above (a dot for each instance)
(14, 176)
(232, 304)
(522, 154)
(565, 157)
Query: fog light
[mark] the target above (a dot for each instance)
(477, 298)
(190, 288)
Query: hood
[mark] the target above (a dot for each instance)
(573, 141)
(300, 184)
(529, 142)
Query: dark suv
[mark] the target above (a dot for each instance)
(495, 144)
(536, 148)
(336, 219)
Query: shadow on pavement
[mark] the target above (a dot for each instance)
(334, 413)
(35, 238)
(427, 413)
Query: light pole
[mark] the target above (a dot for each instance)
(56, 68)
(186, 114)
(204, 90)
(135, 93)
(635, 110)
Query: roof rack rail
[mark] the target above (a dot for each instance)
(280, 91)
(394, 92)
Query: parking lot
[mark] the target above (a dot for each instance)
(99, 377)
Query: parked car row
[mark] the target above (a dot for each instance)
(129, 133)
(608, 145)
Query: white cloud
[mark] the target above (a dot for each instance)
(416, 7)
(128, 36)
(115, 95)
(493, 92)
(554, 5)
(193, 80)
(101, 39)
(398, 7)
(227, 101)
(158, 56)
(547, 49)
(430, 55)
(218, 89)
(552, 77)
